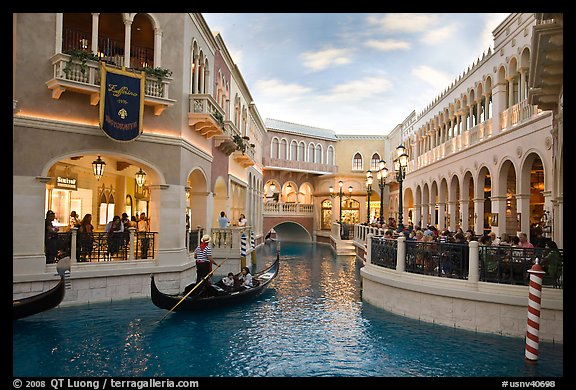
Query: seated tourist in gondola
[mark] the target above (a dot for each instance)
(245, 278)
(227, 282)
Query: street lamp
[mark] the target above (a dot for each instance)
(382, 173)
(98, 166)
(340, 185)
(400, 164)
(369, 180)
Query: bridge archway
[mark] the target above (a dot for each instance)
(290, 231)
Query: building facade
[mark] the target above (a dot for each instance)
(486, 154)
(198, 153)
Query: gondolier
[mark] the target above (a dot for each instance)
(203, 256)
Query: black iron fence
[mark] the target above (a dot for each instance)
(496, 264)
(102, 246)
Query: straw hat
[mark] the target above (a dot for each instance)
(206, 238)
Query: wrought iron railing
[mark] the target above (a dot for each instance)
(101, 246)
(506, 264)
(496, 264)
(384, 252)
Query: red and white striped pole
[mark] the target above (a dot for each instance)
(534, 299)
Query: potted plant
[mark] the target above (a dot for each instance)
(80, 55)
(159, 74)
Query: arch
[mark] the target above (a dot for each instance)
(305, 193)
(274, 147)
(357, 162)
(301, 151)
(291, 231)
(330, 158)
(318, 158)
(311, 152)
(197, 197)
(220, 198)
(293, 150)
(374, 162)
(283, 149)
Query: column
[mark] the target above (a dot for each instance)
(465, 111)
(401, 254)
(464, 205)
(510, 96)
(425, 215)
(441, 216)
(94, 47)
(157, 47)
(523, 207)
(195, 78)
(473, 262)
(127, 36)
(498, 106)
(417, 213)
(498, 205)
(453, 217)
(478, 215)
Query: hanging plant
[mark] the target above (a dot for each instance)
(219, 118)
(159, 74)
(80, 55)
(240, 144)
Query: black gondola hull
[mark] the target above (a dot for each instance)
(198, 300)
(38, 303)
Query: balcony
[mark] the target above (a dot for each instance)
(302, 166)
(71, 75)
(246, 159)
(205, 116)
(482, 132)
(272, 209)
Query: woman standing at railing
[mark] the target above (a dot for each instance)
(50, 237)
(86, 237)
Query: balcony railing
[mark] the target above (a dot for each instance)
(482, 132)
(101, 246)
(299, 165)
(227, 242)
(294, 209)
(205, 115)
(495, 264)
(70, 75)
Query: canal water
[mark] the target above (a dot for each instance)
(311, 322)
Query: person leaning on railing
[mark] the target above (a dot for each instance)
(143, 228)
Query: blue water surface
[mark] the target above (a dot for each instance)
(311, 322)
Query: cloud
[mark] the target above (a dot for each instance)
(278, 88)
(434, 77)
(408, 23)
(358, 89)
(388, 44)
(438, 35)
(320, 60)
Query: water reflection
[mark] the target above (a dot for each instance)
(310, 322)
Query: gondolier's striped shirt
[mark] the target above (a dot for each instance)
(202, 255)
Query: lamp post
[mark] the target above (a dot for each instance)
(369, 180)
(340, 185)
(400, 164)
(98, 166)
(382, 173)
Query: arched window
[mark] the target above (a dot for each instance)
(357, 164)
(283, 149)
(106, 208)
(293, 150)
(301, 151)
(330, 155)
(318, 154)
(374, 162)
(311, 150)
(274, 148)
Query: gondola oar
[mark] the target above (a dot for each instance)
(193, 288)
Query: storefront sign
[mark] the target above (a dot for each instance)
(66, 183)
(121, 103)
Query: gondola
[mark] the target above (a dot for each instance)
(38, 303)
(46, 300)
(208, 295)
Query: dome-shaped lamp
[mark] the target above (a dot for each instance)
(98, 166)
(140, 177)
